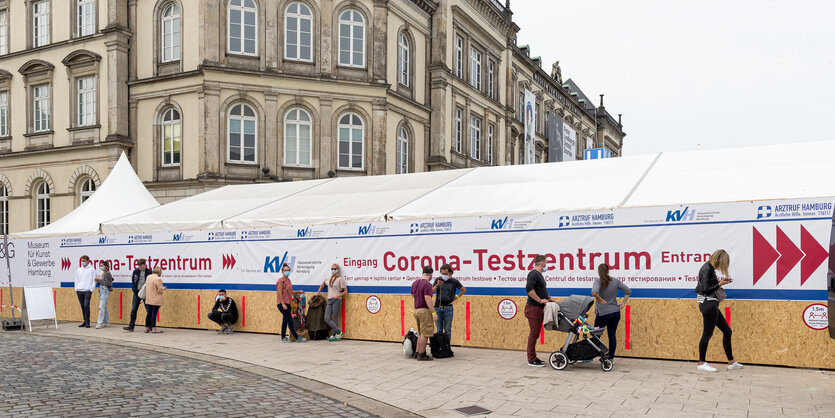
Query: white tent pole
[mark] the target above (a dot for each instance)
(9, 268)
(640, 180)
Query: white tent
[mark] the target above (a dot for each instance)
(122, 193)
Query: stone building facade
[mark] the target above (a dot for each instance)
(204, 93)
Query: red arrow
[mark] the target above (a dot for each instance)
(832, 259)
(764, 255)
(790, 255)
(815, 255)
(231, 261)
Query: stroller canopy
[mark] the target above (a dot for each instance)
(576, 305)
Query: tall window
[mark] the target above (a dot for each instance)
(4, 40)
(40, 111)
(4, 210)
(4, 113)
(88, 187)
(490, 129)
(459, 116)
(522, 107)
(86, 17)
(242, 26)
(402, 150)
(170, 33)
(42, 207)
(475, 69)
(351, 144)
(491, 77)
(475, 137)
(242, 130)
(403, 59)
(351, 39)
(40, 23)
(297, 138)
(298, 38)
(86, 101)
(459, 57)
(170, 133)
(538, 118)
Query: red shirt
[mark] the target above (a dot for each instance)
(288, 291)
(420, 288)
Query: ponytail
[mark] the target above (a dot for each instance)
(603, 272)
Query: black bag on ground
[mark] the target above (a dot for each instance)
(439, 345)
(582, 350)
(410, 344)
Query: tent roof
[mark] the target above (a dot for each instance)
(122, 193)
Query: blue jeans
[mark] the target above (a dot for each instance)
(104, 315)
(610, 321)
(444, 321)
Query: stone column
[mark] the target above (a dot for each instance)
(132, 26)
(117, 14)
(208, 111)
(133, 131)
(378, 141)
(271, 155)
(209, 39)
(327, 148)
(271, 41)
(379, 55)
(326, 40)
(117, 85)
(438, 139)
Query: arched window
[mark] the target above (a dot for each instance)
(298, 39)
(88, 187)
(402, 150)
(297, 143)
(170, 33)
(241, 127)
(403, 59)
(42, 206)
(170, 134)
(351, 39)
(242, 26)
(351, 141)
(4, 210)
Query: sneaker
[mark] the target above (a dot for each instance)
(424, 357)
(536, 363)
(706, 368)
(100, 326)
(285, 340)
(301, 339)
(333, 338)
(82, 325)
(735, 366)
(339, 335)
(228, 331)
(129, 329)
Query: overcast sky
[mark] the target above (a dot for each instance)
(713, 73)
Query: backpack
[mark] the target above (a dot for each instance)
(410, 344)
(439, 345)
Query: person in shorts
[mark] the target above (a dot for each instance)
(422, 293)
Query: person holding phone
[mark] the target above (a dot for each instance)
(105, 281)
(283, 294)
(154, 290)
(224, 313)
(337, 288)
(710, 292)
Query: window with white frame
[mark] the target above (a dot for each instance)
(298, 39)
(242, 27)
(40, 110)
(491, 77)
(402, 150)
(86, 101)
(490, 130)
(40, 23)
(351, 141)
(297, 137)
(171, 136)
(351, 39)
(475, 69)
(459, 57)
(521, 107)
(459, 120)
(86, 12)
(170, 32)
(4, 27)
(475, 137)
(403, 59)
(4, 210)
(42, 206)
(4, 113)
(241, 127)
(88, 187)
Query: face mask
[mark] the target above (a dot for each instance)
(445, 277)
(544, 268)
(217, 298)
(286, 273)
(84, 263)
(334, 271)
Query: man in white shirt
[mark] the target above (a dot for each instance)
(85, 283)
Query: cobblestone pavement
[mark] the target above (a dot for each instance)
(47, 376)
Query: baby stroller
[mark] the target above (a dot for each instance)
(572, 319)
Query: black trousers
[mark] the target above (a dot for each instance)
(287, 319)
(134, 307)
(714, 319)
(84, 301)
(151, 317)
(222, 318)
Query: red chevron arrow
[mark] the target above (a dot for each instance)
(231, 261)
(790, 255)
(832, 259)
(815, 255)
(764, 255)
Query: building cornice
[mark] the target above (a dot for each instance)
(427, 6)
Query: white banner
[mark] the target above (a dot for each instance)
(569, 143)
(530, 127)
(779, 250)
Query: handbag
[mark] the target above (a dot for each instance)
(141, 293)
(720, 294)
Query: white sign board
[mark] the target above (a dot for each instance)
(569, 143)
(530, 127)
(40, 304)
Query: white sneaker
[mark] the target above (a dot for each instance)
(100, 327)
(706, 368)
(735, 366)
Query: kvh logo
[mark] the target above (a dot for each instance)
(681, 215)
(274, 264)
(106, 240)
(565, 221)
(505, 223)
(179, 237)
(366, 229)
(302, 233)
(764, 212)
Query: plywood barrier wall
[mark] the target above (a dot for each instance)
(765, 332)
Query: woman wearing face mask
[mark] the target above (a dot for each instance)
(337, 288)
(284, 293)
(105, 281)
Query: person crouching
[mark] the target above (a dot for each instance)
(224, 313)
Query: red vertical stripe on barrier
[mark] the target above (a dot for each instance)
(120, 304)
(542, 335)
(343, 315)
(198, 309)
(243, 311)
(157, 316)
(55, 300)
(728, 314)
(628, 327)
(1, 300)
(468, 321)
(402, 318)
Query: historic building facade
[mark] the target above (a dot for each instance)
(205, 93)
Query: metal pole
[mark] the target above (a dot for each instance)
(9, 268)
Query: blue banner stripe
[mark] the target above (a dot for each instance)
(743, 294)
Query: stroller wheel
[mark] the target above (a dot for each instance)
(606, 364)
(558, 360)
